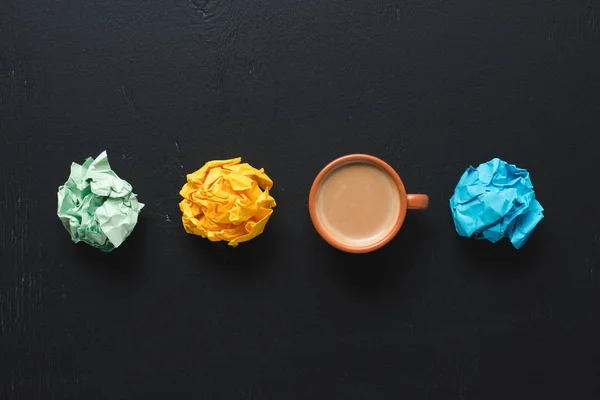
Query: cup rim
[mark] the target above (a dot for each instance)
(348, 159)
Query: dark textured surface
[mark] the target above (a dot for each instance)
(429, 86)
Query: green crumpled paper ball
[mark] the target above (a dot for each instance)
(96, 206)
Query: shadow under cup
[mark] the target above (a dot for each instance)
(358, 203)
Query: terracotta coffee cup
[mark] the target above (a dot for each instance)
(358, 203)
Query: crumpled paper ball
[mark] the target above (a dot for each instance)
(96, 206)
(496, 200)
(226, 200)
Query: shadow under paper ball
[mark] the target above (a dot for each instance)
(502, 255)
(126, 260)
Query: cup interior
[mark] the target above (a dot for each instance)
(395, 198)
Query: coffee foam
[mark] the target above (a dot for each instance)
(358, 203)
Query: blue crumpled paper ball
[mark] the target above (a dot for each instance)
(496, 200)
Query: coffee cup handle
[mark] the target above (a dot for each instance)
(417, 201)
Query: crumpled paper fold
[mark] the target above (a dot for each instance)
(226, 200)
(96, 206)
(496, 200)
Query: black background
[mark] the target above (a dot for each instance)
(429, 86)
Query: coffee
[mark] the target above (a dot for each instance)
(358, 203)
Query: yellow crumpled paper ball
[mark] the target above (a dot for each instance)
(226, 200)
